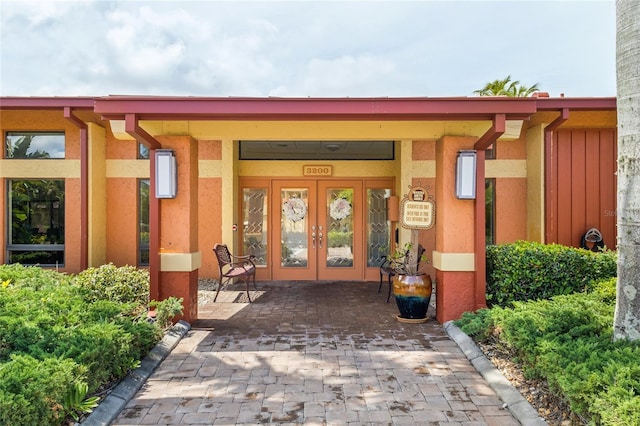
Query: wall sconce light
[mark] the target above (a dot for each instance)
(466, 175)
(165, 174)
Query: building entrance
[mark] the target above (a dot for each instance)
(328, 229)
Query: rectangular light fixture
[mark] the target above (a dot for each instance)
(165, 174)
(466, 175)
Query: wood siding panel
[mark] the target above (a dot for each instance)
(564, 213)
(592, 180)
(578, 186)
(608, 185)
(584, 186)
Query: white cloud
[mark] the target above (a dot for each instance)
(355, 76)
(304, 48)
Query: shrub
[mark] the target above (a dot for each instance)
(33, 277)
(118, 284)
(60, 339)
(568, 340)
(167, 310)
(525, 270)
(32, 391)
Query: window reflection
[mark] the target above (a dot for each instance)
(31, 145)
(143, 222)
(37, 222)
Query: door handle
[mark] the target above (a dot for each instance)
(320, 236)
(313, 236)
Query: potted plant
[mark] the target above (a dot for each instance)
(411, 286)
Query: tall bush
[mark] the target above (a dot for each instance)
(527, 270)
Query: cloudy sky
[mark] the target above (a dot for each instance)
(304, 48)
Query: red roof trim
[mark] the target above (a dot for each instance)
(246, 108)
(41, 103)
(577, 104)
(314, 108)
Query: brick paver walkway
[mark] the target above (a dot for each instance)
(314, 353)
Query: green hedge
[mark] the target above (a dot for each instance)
(569, 341)
(63, 337)
(526, 270)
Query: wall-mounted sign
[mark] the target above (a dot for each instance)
(417, 210)
(317, 170)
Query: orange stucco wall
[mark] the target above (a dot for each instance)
(43, 121)
(122, 216)
(511, 150)
(122, 206)
(179, 216)
(184, 285)
(72, 220)
(209, 227)
(209, 208)
(455, 294)
(511, 210)
(511, 196)
(454, 218)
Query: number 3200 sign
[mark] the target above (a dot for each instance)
(317, 170)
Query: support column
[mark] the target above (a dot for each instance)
(535, 184)
(97, 203)
(179, 255)
(454, 257)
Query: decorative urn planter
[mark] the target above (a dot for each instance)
(413, 294)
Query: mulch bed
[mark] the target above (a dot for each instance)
(550, 406)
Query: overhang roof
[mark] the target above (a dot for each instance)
(116, 107)
(163, 108)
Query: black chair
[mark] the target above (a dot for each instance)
(234, 267)
(387, 269)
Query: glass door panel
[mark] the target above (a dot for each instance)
(340, 230)
(339, 236)
(294, 225)
(320, 230)
(378, 229)
(294, 215)
(254, 224)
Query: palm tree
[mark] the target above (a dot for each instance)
(506, 87)
(626, 323)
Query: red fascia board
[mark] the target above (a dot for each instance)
(317, 117)
(152, 108)
(577, 104)
(42, 103)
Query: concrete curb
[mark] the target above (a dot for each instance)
(112, 405)
(521, 409)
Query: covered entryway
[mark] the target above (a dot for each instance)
(316, 229)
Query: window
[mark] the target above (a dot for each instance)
(35, 232)
(378, 229)
(490, 210)
(30, 145)
(143, 152)
(143, 222)
(490, 153)
(316, 150)
(254, 224)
